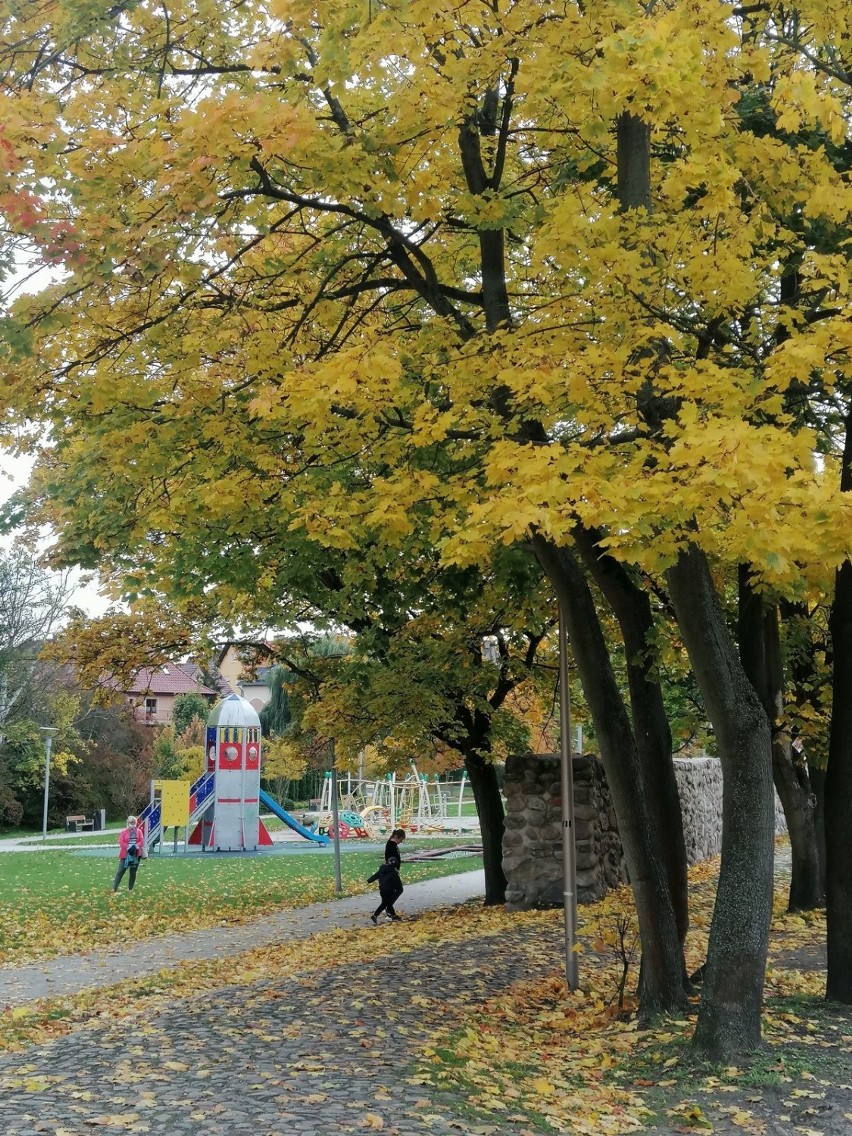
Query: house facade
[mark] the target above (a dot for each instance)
(248, 679)
(152, 693)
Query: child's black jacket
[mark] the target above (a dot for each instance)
(388, 877)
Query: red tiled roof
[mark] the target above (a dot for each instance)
(174, 678)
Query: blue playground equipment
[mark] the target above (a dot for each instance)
(291, 822)
(200, 794)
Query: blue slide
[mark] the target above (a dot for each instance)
(273, 806)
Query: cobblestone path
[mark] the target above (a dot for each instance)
(323, 1054)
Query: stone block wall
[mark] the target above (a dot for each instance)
(532, 844)
(699, 786)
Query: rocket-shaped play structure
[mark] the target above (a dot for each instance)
(223, 803)
(231, 823)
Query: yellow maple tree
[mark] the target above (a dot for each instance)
(380, 279)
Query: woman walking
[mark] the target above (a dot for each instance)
(131, 849)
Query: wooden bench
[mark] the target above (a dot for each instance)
(79, 824)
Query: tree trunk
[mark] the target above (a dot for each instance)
(662, 988)
(760, 651)
(489, 808)
(805, 687)
(729, 1016)
(790, 774)
(632, 608)
(633, 154)
(816, 777)
(838, 776)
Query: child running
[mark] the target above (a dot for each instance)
(390, 889)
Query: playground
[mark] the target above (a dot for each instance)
(368, 808)
(221, 811)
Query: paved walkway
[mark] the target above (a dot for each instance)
(315, 1053)
(311, 1055)
(31, 843)
(321, 1054)
(72, 973)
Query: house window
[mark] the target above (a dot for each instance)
(150, 708)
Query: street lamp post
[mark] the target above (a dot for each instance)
(335, 821)
(48, 732)
(569, 855)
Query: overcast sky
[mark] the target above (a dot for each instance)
(15, 471)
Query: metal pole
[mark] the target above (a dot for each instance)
(48, 732)
(569, 856)
(335, 820)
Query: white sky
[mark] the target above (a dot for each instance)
(14, 472)
(29, 276)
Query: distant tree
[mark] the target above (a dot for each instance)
(283, 763)
(277, 715)
(33, 692)
(32, 603)
(11, 809)
(191, 748)
(168, 763)
(188, 708)
(116, 765)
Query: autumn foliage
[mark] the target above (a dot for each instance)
(356, 299)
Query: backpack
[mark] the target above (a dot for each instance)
(134, 852)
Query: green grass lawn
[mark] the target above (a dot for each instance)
(84, 840)
(109, 836)
(60, 902)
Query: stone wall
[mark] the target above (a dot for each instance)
(699, 786)
(532, 845)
